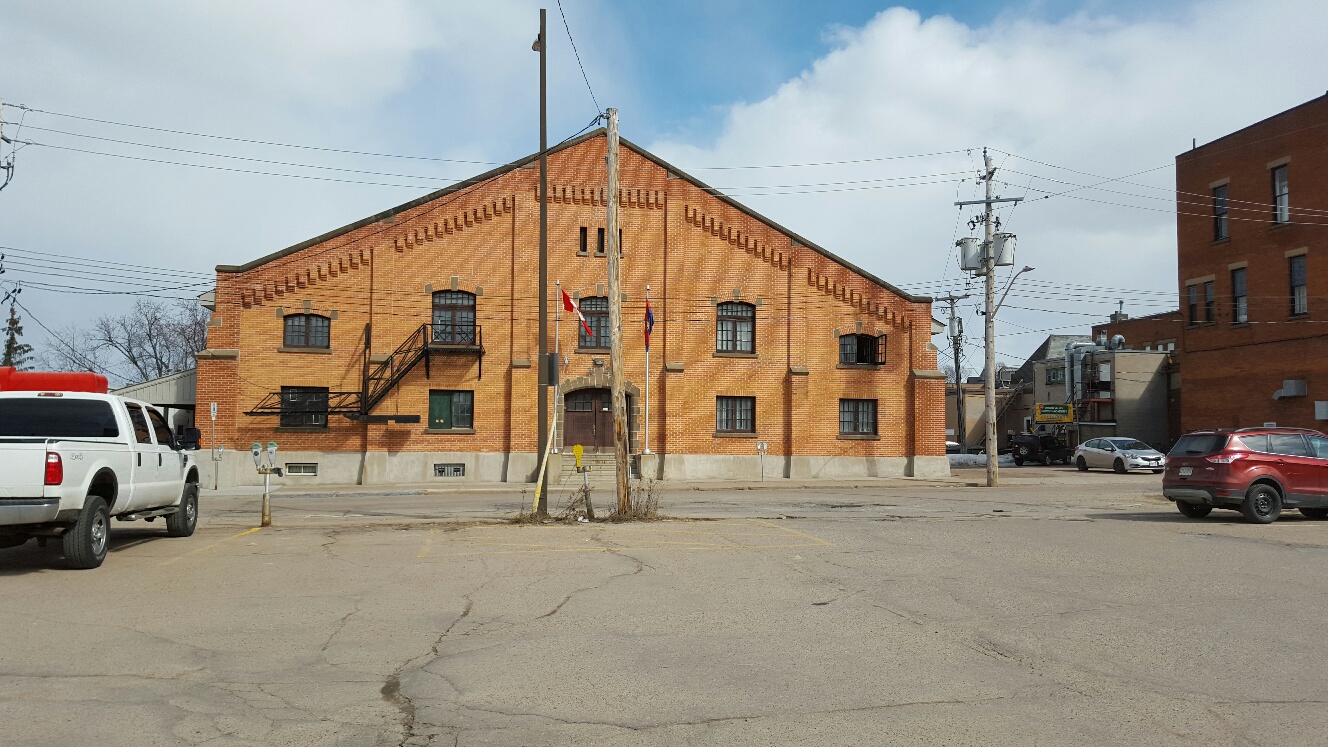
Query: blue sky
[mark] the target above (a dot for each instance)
(1058, 87)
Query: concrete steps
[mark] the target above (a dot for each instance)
(600, 467)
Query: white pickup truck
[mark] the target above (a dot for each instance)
(69, 461)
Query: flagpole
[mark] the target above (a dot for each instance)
(557, 358)
(647, 428)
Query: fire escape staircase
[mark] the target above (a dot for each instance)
(381, 377)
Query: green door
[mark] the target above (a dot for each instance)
(440, 410)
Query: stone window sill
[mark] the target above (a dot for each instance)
(1299, 317)
(592, 351)
(1238, 325)
(860, 366)
(293, 429)
(313, 351)
(1277, 226)
(451, 431)
(734, 434)
(858, 437)
(724, 354)
(1227, 240)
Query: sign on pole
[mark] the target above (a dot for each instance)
(214, 410)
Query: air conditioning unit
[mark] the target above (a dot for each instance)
(1291, 388)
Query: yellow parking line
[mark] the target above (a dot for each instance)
(819, 543)
(804, 535)
(209, 547)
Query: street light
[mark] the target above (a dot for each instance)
(1009, 285)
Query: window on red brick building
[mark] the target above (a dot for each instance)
(451, 409)
(862, 350)
(583, 247)
(307, 331)
(303, 407)
(1300, 302)
(454, 318)
(1192, 303)
(1210, 299)
(1239, 300)
(735, 328)
(1220, 213)
(857, 417)
(735, 414)
(1281, 196)
(596, 311)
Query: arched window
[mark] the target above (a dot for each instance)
(735, 328)
(307, 331)
(454, 318)
(596, 311)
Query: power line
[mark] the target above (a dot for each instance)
(598, 109)
(251, 141)
(237, 158)
(227, 168)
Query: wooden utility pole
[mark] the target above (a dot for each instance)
(542, 396)
(621, 458)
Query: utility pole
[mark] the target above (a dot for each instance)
(542, 397)
(622, 467)
(957, 341)
(991, 256)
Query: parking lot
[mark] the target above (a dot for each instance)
(1061, 609)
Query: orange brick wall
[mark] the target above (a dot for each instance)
(691, 248)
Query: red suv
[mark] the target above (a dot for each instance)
(1257, 471)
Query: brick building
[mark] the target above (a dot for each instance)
(427, 313)
(1252, 238)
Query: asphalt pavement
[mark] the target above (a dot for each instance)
(1060, 609)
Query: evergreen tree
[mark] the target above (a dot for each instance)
(17, 354)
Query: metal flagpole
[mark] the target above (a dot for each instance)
(647, 424)
(557, 357)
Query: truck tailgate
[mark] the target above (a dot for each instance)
(23, 469)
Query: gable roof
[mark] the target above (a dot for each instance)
(533, 158)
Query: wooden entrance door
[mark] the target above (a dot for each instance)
(588, 417)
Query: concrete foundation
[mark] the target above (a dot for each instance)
(388, 468)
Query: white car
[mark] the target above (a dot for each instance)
(1119, 454)
(69, 461)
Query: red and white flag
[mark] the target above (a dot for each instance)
(572, 307)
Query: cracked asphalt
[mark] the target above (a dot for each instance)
(1061, 609)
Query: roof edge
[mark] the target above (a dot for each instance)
(501, 170)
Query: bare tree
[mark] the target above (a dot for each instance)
(152, 340)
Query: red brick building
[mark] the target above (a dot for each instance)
(427, 313)
(1252, 233)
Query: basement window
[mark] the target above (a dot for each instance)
(449, 470)
(302, 468)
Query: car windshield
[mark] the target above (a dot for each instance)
(1129, 444)
(1198, 445)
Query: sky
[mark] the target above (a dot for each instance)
(1065, 95)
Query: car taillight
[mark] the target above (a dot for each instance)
(1225, 458)
(55, 469)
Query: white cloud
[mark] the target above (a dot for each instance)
(1092, 93)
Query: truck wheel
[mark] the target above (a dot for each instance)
(85, 543)
(1046, 460)
(1262, 504)
(182, 522)
(1194, 510)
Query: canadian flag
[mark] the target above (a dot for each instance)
(572, 307)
